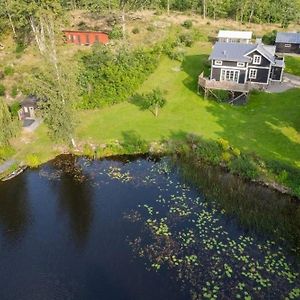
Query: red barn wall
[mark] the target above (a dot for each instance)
(86, 37)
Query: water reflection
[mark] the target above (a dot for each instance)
(14, 210)
(75, 198)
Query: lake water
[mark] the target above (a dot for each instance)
(131, 229)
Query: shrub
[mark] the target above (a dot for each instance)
(20, 47)
(14, 91)
(226, 157)
(269, 38)
(8, 70)
(187, 24)
(224, 144)
(244, 166)
(177, 54)
(151, 28)
(2, 90)
(116, 33)
(32, 160)
(236, 152)
(210, 152)
(109, 77)
(88, 150)
(186, 39)
(135, 30)
(6, 152)
(14, 108)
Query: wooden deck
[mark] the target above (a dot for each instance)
(209, 84)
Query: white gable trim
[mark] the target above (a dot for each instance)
(260, 53)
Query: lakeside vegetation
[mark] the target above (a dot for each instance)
(173, 50)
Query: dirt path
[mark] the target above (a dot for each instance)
(6, 165)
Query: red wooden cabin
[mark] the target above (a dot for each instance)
(85, 37)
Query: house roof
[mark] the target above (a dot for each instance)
(238, 52)
(235, 34)
(30, 101)
(288, 37)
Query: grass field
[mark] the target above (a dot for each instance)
(268, 125)
(292, 65)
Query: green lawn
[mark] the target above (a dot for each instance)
(269, 125)
(292, 65)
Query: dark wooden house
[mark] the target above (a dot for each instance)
(28, 108)
(288, 42)
(245, 63)
(85, 37)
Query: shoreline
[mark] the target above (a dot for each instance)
(272, 185)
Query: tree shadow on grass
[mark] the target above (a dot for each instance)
(263, 126)
(193, 66)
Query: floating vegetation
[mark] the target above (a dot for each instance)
(209, 254)
(115, 173)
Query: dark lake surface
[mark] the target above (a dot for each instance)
(132, 229)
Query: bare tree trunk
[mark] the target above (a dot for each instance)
(168, 7)
(39, 34)
(156, 110)
(204, 8)
(123, 22)
(12, 24)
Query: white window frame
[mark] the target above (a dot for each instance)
(287, 45)
(230, 75)
(252, 73)
(218, 62)
(256, 59)
(26, 109)
(240, 64)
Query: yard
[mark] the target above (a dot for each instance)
(292, 65)
(269, 125)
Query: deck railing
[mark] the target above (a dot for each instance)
(222, 85)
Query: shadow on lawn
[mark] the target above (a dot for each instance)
(259, 126)
(193, 66)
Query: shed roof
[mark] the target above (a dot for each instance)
(30, 100)
(288, 37)
(235, 34)
(238, 52)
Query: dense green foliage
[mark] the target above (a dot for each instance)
(6, 124)
(109, 77)
(2, 89)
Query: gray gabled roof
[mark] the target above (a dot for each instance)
(288, 37)
(238, 51)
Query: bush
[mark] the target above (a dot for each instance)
(32, 160)
(135, 30)
(116, 33)
(177, 54)
(186, 39)
(244, 166)
(8, 70)
(6, 152)
(14, 91)
(209, 152)
(14, 108)
(226, 157)
(187, 24)
(151, 28)
(20, 47)
(109, 77)
(269, 38)
(2, 90)
(224, 144)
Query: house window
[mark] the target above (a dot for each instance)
(256, 59)
(252, 73)
(240, 64)
(25, 109)
(218, 62)
(287, 45)
(230, 75)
